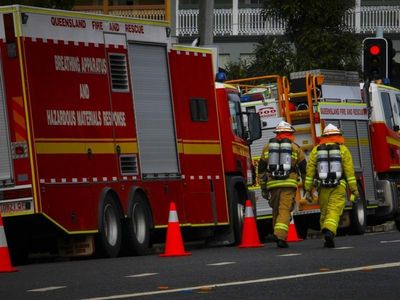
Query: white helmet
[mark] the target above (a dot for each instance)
(284, 127)
(331, 130)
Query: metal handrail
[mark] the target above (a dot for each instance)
(250, 82)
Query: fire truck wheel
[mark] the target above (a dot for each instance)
(358, 215)
(136, 240)
(397, 222)
(237, 216)
(110, 229)
(301, 225)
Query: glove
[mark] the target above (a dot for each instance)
(355, 197)
(308, 197)
(264, 193)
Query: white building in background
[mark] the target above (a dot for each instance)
(238, 24)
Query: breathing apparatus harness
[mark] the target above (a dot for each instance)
(280, 158)
(329, 164)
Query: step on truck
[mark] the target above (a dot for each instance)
(104, 121)
(370, 123)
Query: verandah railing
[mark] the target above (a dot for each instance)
(248, 21)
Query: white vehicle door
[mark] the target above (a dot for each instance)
(390, 109)
(396, 109)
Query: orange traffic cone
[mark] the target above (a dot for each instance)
(174, 243)
(5, 262)
(250, 237)
(292, 234)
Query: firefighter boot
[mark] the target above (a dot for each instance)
(329, 238)
(281, 243)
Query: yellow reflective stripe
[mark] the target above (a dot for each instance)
(343, 183)
(288, 180)
(331, 221)
(308, 179)
(78, 147)
(351, 180)
(281, 226)
(281, 183)
(294, 155)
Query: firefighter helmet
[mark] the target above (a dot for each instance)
(331, 130)
(284, 127)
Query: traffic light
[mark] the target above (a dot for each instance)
(375, 58)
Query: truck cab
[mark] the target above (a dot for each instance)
(243, 130)
(385, 126)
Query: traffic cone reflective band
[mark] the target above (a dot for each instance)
(5, 262)
(250, 237)
(292, 234)
(174, 244)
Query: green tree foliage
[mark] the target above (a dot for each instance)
(274, 53)
(59, 4)
(236, 70)
(316, 37)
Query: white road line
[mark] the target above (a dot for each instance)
(261, 280)
(393, 241)
(343, 248)
(142, 275)
(222, 263)
(290, 254)
(46, 289)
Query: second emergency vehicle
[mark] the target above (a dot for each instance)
(310, 100)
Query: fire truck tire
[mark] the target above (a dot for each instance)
(358, 215)
(237, 216)
(397, 222)
(301, 226)
(110, 229)
(136, 238)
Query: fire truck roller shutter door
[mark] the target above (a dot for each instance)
(154, 115)
(6, 169)
(109, 238)
(136, 237)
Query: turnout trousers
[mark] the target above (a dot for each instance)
(332, 201)
(282, 203)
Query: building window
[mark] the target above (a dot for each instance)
(251, 3)
(224, 59)
(247, 58)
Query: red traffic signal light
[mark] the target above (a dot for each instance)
(374, 50)
(375, 58)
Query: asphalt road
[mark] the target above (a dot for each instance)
(360, 267)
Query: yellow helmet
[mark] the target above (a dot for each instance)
(331, 130)
(284, 127)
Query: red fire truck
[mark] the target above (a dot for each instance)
(370, 122)
(104, 122)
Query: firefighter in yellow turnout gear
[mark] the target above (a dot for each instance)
(332, 163)
(280, 164)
